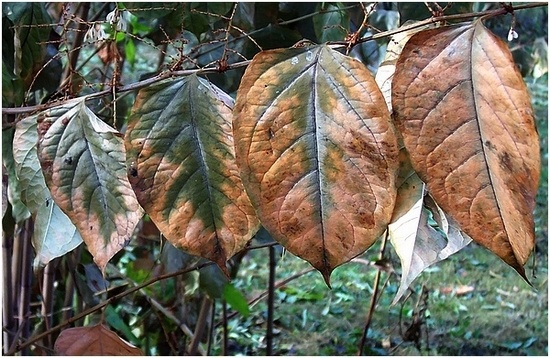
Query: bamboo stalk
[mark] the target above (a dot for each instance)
(25, 283)
(270, 302)
(8, 308)
(47, 299)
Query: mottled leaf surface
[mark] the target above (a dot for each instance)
(83, 160)
(466, 119)
(182, 167)
(317, 152)
(34, 191)
(93, 341)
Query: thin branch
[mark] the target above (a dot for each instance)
(486, 14)
(200, 326)
(108, 301)
(374, 297)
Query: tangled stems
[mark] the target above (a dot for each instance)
(216, 68)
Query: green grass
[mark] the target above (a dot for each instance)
(502, 316)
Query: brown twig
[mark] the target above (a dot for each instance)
(374, 297)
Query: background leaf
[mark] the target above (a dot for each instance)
(317, 152)
(182, 168)
(465, 116)
(331, 23)
(83, 162)
(92, 341)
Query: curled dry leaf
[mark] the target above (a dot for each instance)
(181, 164)
(93, 341)
(317, 152)
(83, 161)
(466, 119)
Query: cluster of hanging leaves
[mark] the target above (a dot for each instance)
(310, 150)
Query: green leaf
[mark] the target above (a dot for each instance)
(236, 300)
(212, 280)
(331, 23)
(28, 40)
(317, 151)
(182, 168)
(130, 51)
(83, 163)
(13, 89)
(113, 318)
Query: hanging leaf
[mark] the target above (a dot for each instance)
(34, 191)
(54, 234)
(182, 168)
(465, 115)
(317, 152)
(83, 163)
(416, 242)
(93, 341)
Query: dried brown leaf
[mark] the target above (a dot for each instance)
(466, 119)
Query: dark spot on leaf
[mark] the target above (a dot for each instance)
(43, 127)
(68, 160)
(65, 121)
(505, 161)
(490, 145)
(292, 227)
(47, 202)
(133, 172)
(270, 133)
(91, 227)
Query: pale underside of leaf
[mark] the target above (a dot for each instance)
(182, 167)
(93, 341)
(317, 152)
(54, 234)
(465, 115)
(416, 242)
(83, 160)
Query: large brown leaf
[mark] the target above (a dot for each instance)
(182, 167)
(317, 152)
(93, 341)
(466, 119)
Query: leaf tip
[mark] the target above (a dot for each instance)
(326, 276)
